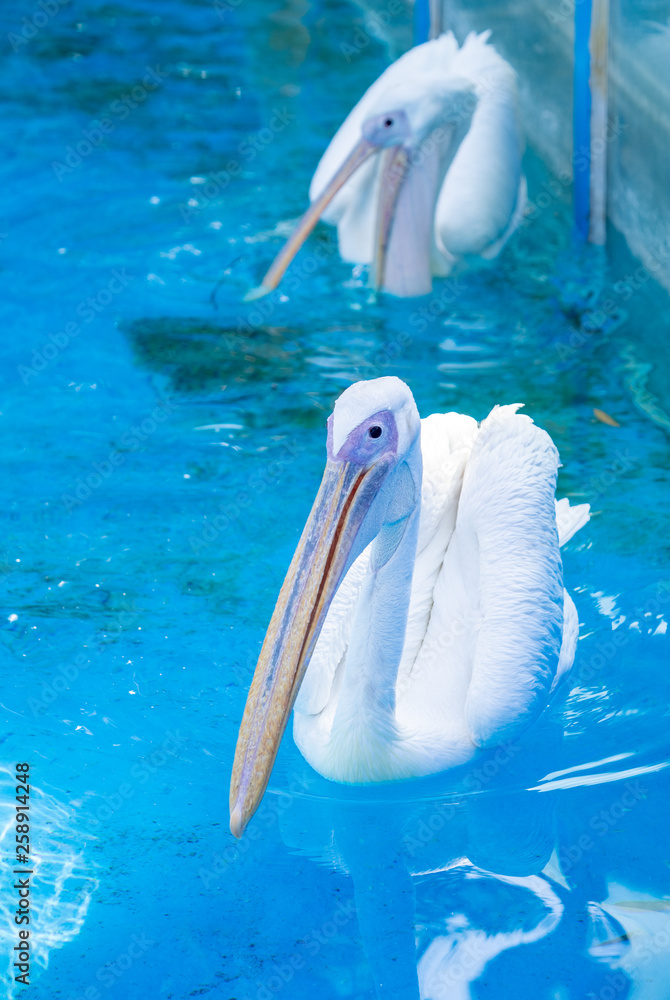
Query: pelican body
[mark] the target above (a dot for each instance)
(425, 169)
(423, 615)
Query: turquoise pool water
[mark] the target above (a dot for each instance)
(162, 445)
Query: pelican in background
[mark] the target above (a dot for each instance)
(425, 169)
(423, 615)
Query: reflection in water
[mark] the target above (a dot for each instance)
(250, 361)
(199, 356)
(61, 886)
(458, 957)
(457, 892)
(647, 925)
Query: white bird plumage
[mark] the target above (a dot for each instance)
(487, 635)
(475, 185)
(425, 169)
(448, 628)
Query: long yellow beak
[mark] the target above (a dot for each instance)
(345, 495)
(361, 151)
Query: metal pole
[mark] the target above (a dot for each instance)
(581, 118)
(435, 8)
(421, 21)
(599, 65)
(590, 118)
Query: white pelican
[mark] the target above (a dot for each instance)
(424, 612)
(424, 170)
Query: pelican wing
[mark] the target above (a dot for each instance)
(570, 519)
(508, 555)
(446, 443)
(491, 649)
(482, 199)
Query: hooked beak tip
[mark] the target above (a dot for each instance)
(237, 823)
(257, 293)
(346, 493)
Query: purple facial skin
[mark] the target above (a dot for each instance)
(389, 129)
(361, 447)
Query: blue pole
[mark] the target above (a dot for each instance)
(421, 21)
(582, 118)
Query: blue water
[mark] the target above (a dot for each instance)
(160, 459)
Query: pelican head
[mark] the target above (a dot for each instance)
(407, 139)
(370, 488)
(426, 168)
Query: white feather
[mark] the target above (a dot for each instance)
(483, 196)
(490, 629)
(477, 191)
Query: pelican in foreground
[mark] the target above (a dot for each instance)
(425, 169)
(423, 615)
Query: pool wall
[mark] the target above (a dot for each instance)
(537, 36)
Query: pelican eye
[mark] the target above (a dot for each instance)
(375, 431)
(388, 122)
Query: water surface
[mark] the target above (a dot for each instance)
(159, 464)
